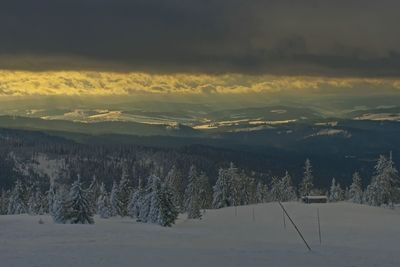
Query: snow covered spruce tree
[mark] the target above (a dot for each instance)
(94, 193)
(205, 191)
(17, 201)
(174, 180)
(114, 200)
(58, 208)
(35, 202)
(103, 203)
(157, 204)
(355, 191)
(223, 188)
(192, 194)
(306, 185)
(136, 200)
(282, 189)
(3, 202)
(124, 195)
(78, 208)
(384, 186)
(335, 192)
(262, 194)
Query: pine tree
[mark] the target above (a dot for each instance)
(335, 191)
(205, 191)
(356, 192)
(17, 203)
(174, 180)
(383, 188)
(103, 203)
(260, 193)
(136, 200)
(114, 200)
(223, 188)
(124, 195)
(94, 193)
(35, 202)
(58, 207)
(306, 185)
(193, 195)
(78, 207)
(3, 202)
(168, 211)
(289, 193)
(157, 205)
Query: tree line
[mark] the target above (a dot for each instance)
(160, 200)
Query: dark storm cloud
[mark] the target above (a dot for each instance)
(360, 38)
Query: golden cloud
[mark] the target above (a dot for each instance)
(23, 83)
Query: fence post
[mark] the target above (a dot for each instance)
(295, 226)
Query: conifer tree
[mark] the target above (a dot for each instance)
(94, 193)
(174, 180)
(168, 212)
(306, 185)
(59, 207)
(383, 188)
(124, 195)
(103, 203)
(355, 191)
(35, 202)
(17, 203)
(3, 202)
(335, 192)
(223, 188)
(193, 204)
(78, 207)
(114, 200)
(205, 191)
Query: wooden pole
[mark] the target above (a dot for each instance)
(319, 227)
(284, 220)
(295, 226)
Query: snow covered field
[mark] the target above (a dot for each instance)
(352, 235)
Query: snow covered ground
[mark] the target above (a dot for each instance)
(352, 235)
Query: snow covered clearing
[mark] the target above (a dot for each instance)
(352, 235)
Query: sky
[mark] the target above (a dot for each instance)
(127, 47)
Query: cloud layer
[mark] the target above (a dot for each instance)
(317, 37)
(76, 83)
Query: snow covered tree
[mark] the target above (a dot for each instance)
(3, 202)
(103, 203)
(356, 192)
(306, 185)
(114, 200)
(383, 188)
(335, 192)
(78, 207)
(205, 191)
(35, 202)
(94, 193)
(261, 192)
(282, 189)
(157, 204)
(174, 180)
(168, 212)
(136, 200)
(223, 188)
(289, 193)
(192, 193)
(17, 203)
(124, 195)
(58, 207)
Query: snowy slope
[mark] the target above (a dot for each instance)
(352, 235)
